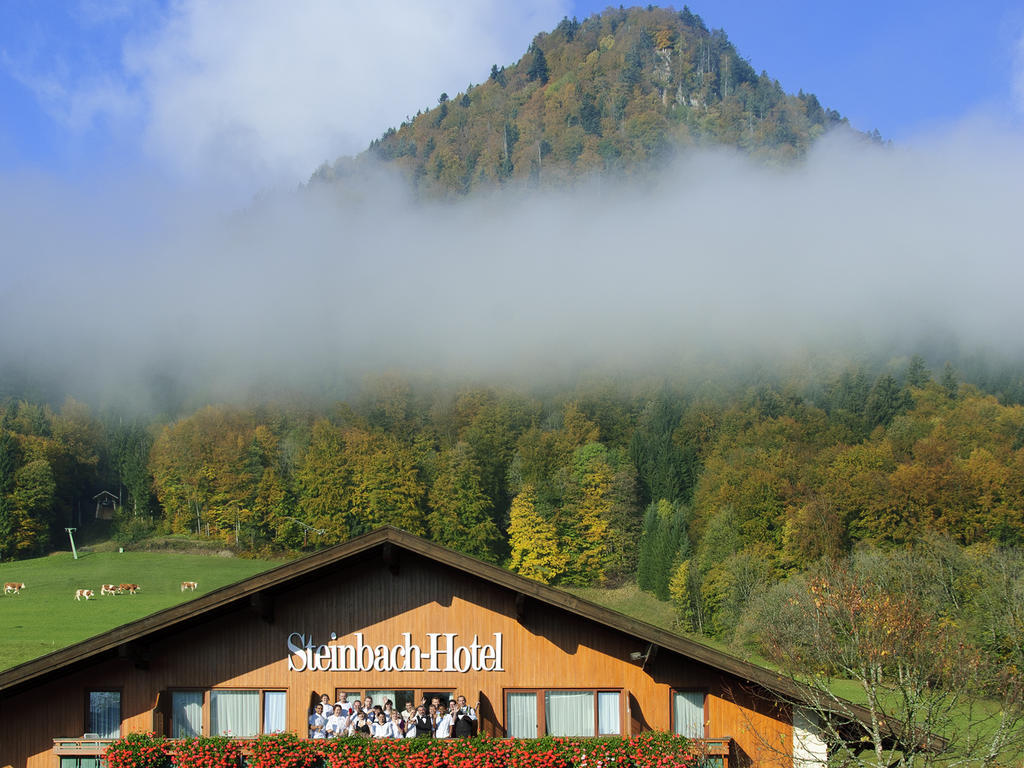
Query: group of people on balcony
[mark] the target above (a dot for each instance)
(383, 721)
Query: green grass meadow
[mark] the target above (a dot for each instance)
(46, 617)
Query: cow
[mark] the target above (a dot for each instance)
(131, 589)
(13, 587)
(192, 585)
(84, 594)
(108, 589)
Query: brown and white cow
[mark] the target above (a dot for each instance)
(131, 589)
(192, 585)
(84, 594)
(13, 587)
(108, 589)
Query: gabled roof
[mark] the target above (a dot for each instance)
(128, 641)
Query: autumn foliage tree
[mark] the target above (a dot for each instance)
(936, 689)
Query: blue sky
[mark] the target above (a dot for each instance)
(188, 90)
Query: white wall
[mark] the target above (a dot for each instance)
(809, 748)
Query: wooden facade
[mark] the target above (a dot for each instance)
(393, 589)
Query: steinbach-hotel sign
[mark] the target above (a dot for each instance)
(440, 653)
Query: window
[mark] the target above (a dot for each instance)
(91, 761)
(274, 720)
(688, 714)
(608, 713)
(564, 713)
(521, 715)
(398, 698)
(104, 714)
(235, 713)
(186, 714)
(569, 713)
(239, 713)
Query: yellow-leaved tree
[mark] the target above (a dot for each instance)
(533, 540)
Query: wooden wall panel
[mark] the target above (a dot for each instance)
(547, 648)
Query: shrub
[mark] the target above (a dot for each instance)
(651, 750)
(207, 752)
(138, 750)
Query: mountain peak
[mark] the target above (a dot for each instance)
(617, 93)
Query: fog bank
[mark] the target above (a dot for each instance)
(115, 290)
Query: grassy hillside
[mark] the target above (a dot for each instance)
(46, 617)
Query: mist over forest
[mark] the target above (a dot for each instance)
(858, 251)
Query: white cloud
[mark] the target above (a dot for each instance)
(262, 92)
(240, 95)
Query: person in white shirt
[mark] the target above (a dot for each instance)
(343, 702)
(444, 726)
(318, 723)
(397, 727)
(337, 723)
(326, 701)
(408, 713)
(382, 728)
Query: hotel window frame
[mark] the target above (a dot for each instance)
(261, 712)
(206, 703)
(703, 708)
(88, 709)
(204, 711)
(541, 700)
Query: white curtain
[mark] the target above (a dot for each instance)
(569, 713)
(186, 714)
(608, 713)
(273, 711)
(688, 714)
(235, 713)
(105, 714)
(521, 714)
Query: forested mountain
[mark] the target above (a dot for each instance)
(615, 93)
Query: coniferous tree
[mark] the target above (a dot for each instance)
(917, 372)
(8, 466)
(646, 562)
(950, 381)
(664, 544)
(459, 515)
(659, 461)
(886, 401)
(538, 67)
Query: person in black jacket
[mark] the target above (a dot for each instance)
(424, 728)
(465, 719)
